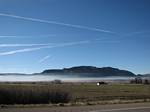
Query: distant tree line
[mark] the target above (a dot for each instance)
(139, 80)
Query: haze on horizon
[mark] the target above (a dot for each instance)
(43, 34)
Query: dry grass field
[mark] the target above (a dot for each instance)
(44, 93)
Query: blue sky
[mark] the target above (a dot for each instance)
(43, 34)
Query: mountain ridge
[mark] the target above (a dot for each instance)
(85, 71)
(90, 71)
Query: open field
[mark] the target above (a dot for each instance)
(79, 92)
(135, 107)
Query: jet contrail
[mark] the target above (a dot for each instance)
(44, 58)
(43, 47)
(24, 45)
(56, 23)
(137, 33)
(18, 36)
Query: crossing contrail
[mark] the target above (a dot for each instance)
(46, 46)
(56, 23)
(42, 47)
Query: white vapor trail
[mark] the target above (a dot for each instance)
(22, 50)
(56, 23)
(3, 36)
(44, 58)
(18, 36)
(137, 33)
(43, 47)
(23, 45)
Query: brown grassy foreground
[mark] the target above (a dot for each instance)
(135, 107)
(44, 93)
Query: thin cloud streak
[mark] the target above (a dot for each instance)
(44, 59)
(25, 36)
(23, 45)
(21, 51)
(43, 47)
(47, 46)
(8, 36)
(138, 32)
(56, 23)
(106, 41)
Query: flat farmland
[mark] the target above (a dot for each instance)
(84, 92)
